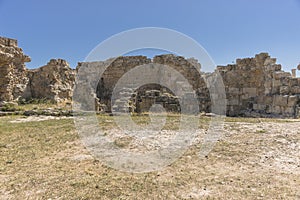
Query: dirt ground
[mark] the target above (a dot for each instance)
(43, 158)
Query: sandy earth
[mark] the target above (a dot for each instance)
(260, 148)
(37, 119)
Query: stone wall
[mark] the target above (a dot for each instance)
(13, 76)
(53, 81)
(147, 95)
(254, 86)
(258, 87)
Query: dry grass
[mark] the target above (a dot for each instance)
(256, 159)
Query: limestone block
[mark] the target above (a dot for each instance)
(250, 91)
(261, 107)
(276, 83)
(288, 110)
(245, 96)
(284, 89)
(281, 74)
(274, 67)
(292, 100)
(280, 100)
(233, 102)
(270, 61)
(276, 109)
(293, 82)
(295, 90)
(232, 90)
(294, 73)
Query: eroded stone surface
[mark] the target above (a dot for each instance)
(13, 73)
(254, 86)
(54, 81)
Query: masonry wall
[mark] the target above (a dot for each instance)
(53, 81)
(254, 86)
(13, 75)
(258, 87)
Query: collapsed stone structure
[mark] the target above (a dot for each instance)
(53, 81)
(13, 73)
(144, 97)
(254, 86)
(258, 87)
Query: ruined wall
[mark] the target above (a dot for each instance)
(13, 75)
(148, 95)
(144, 98)
(54, 81)
(254, 86)
(188, 68)
(258, 87)
(113, 73)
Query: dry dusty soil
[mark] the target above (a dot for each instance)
(43, 158)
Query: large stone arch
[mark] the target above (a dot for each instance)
(121, 65)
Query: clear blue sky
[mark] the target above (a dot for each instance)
(227, 29)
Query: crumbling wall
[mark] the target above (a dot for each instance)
(116, 69)
(254, 86)
(189, 69)
(54, 81)
(147, 95)
(13, 73)
(258, 87)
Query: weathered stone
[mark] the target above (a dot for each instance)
(293, 100)
(53, 81)
(254, 86)
(13, 73)
(280, 100)
(284, 90)
(294, 73)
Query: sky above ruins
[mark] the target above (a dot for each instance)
(228, 30)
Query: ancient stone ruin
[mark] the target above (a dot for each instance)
(258, 87)
(53, 81)
(255, 87)
(13, 73)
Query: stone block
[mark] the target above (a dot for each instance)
(276, 83)
(288, 110)
(292, 100)
(293, 82)
(276, 109)
(232, 90)
(250, 91)
(280, 100)
(270, 61)
(295, 90)
(281, 74)
(261, 107)
(284, 89)
(233, 102)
